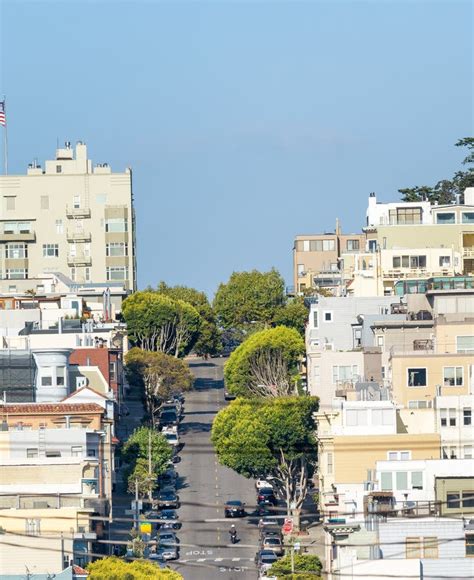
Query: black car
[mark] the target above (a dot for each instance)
(168, 418)
(266, 496)
(169, 520)
(167, 498)
(168, 478)
(229, 396)
(234, 509)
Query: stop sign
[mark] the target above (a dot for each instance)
(287, 527)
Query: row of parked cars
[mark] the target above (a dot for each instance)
(166, 499)
(271, 546)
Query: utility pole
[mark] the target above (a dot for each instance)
(292, 554)
(136, 504)
(149, 464)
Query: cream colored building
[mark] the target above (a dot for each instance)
(68, 217)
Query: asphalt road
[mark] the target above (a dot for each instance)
(205, 486)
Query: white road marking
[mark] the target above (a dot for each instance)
(235, 559)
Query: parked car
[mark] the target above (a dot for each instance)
(167, 418)
(264, 483)
(167, 498)
(167, 538)
(266, 496)
(152, 515)
(234, 509)
(228, 396)
(271, 530)
(172, 438)
(169, 520)
(165, 553)
(265, 558)
(167, 478)
(274, 543)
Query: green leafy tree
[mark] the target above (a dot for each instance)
(143, 445)
(446, 190)
(306, 566)
(266, 363)
(157, 375)
(249, 298)
(262, 437)
(294, 315)
(208, 340)
(113, 568)
(157, 322)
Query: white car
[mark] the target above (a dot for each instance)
(263, 483)
(172, 438)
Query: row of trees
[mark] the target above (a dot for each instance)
(176, 320)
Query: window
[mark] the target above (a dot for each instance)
(16, 274)
(87, 274)
(416, 480)
(380, 340)
(353, 245)
(413, 548)
(467, 451)
(317, 375)
(386, 481)
(467, 416)
(315, 318)
(416, 377)
(402, 480)
(344, 373)
(453, 376)
(59, 227)
(329, 245)
(44, 202)
(32, 527)
(465, 344)
(328, 317)
(9, 202)
(402, 215)
(112, 373)
(32, 452)
(121, 249)
(382, 417)
(392, 455)
(53, 453)
(372, 245)
(446, 218)
(90, 452)
(76, 202)
(76, 451)
(329, 463)
(46, 377)
(469, 544)
(356, 417)
(430, 548)
(101, 198)
(444, 261)
(59, 169)
(417, 261)
(117, 273)
(16, 227)
(119, 225)
(73, 274)
(50, 250)
(453, 500)
(467, 217)
(399, 455)
(16, 251)
(417, 548)
(448, 417)
(60, 372)
(468, 499)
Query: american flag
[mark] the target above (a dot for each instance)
(3, 118)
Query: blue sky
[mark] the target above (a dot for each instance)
(245, 123)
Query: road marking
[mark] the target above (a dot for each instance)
(235, 559)
(218, 559)
(201, 560)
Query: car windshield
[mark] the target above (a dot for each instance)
(266, 491)
(167, 415)
(168, 514)
(269, 557)
(167, 495)
(272, 541)
(234, 503)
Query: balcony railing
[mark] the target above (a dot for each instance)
(78, 236)
(468, 252)
(80, 260)
(25, 236)
(78, 212)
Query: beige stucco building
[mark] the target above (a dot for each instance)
(69, 217)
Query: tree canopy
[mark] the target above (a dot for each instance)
(294, 315)
(306, 566)
(249, 298)
(446, 190)
(158, 322)
(157, 375)
(142, 443)
(262, 437)
(207, 341)
(113, 568)
(266, 363)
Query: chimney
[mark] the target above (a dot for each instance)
(469, 196)
(338, 227)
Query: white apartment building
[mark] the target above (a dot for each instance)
(397, 213)
(68, 217)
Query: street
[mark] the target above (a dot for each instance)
(205, 486)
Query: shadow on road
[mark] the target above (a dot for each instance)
(195, 427)
(201, 364)
(205, 384)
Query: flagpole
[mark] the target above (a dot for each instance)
(5, 139)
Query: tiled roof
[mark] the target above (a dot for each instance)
(78, 570)
(50, 408)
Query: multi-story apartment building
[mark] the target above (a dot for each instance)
(69, 217)
(316, 258)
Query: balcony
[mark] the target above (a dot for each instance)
(78, 212)
(80, 260)
(78, 236)
(21, 236)
(468, 252)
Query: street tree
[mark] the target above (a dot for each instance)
(446, 190)
(112, 568)
(270, 437)
(266, 363)
(300, 567)
(157, 375)
(160, 323)
(147, 453)
(249, 298)
(208, 340)
(294, 315)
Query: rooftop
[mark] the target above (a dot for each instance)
(49, 408)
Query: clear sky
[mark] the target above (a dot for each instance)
(245, 122)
